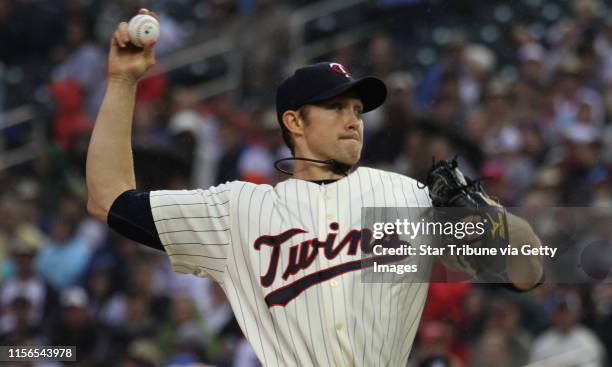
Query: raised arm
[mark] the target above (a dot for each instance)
(110, 165)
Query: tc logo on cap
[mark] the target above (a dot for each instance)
(339, 69)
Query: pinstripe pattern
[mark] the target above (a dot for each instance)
(282, 225)
(339, 322)
(304, 300)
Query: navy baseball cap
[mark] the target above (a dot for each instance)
(324, 80)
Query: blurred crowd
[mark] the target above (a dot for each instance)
(529, 113)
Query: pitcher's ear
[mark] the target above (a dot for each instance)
(293, 122)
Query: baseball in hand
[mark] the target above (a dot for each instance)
(142, 28)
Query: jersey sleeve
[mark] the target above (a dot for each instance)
(194, 228)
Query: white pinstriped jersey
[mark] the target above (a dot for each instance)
(285, 257)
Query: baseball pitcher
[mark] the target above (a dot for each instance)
(287, 255)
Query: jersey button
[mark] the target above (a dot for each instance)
(334, 284)
(330, 217)
(326, 196)
(339, 326)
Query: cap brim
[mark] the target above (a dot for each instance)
(371, 91)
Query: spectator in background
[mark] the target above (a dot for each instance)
(220, 328)
(245, 356)
(386, 133)
(70, 120)
(399, 107)
(602, 299)
(256, 162)
(414, 148)
(54, 175)
(183, 326)
(142, 280)
(198, 133)
(504, 326)
(13, 228)
(586, 176)
(445, 302)
(75, 327)
(256, 165)
(517, 168)
(92, 231)
(446, 109)
(435, 342)
(29, 193)
(25, 49)
(349, 55)
(503, 143)
(534, 146)
(141, 353)
(603, 48)
(531, 57)
(563, 37)
(18, 328)
(591, 63)
(478, 63)
(567, 336)
(544, 191)
(137, 321)
(219, 318)
(183, 129)
(36, 296)
(570, 93)
(106, 305)
(231, 142)
(473, 312)
(499, 115)
(222, 20)
(63, 244)
(149, 131)
(266, 46)
(586, 13)
(496, 183)
(492, 350)
(83, 64)
(271, 138)
(381, 57)
(449, 61)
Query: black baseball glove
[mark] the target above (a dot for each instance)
(457, 198)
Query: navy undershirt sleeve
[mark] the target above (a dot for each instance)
(130, 215)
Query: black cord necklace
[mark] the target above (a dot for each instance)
(337, 167)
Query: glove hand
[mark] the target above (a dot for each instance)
(449, 188)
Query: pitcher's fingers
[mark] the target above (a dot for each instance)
(117, 39)
(149, 52)
(123, 30)
(145, 11)
(148, 48)
(149, 45)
